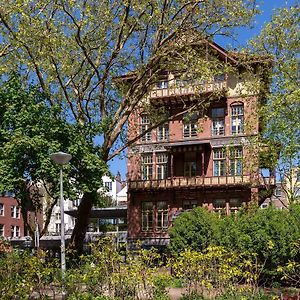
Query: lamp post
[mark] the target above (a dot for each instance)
(61, 159)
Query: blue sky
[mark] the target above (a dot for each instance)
(243, 36)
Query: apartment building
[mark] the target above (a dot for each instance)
(11, 221)
(200, 158)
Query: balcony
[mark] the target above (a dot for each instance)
(173, 91)
(184, 182)
(196, 182)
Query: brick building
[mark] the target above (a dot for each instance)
(197, 159)
(11, 221)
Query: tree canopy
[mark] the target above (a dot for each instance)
(78, 51)
(280, 41)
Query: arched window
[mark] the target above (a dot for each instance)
(237, 118)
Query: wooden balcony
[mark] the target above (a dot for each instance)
(194, 182)
(192, 89)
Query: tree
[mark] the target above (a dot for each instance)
(78, 52)
(28, 131)
(280, 41)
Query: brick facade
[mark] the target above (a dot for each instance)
(204, 159)
(11, 221)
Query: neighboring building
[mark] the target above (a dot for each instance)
(111, 187)
(100, 216)
(286, 191)
(194, 160)
(278, 199)
(54, 226)
(11, 221)
(122, 197)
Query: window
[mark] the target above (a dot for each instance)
(183, 82)
(15, 212)
(235, 161)
(162, 216)
(108, 185)
(190, 129)
(219, 77)
(219, 206)
(190, 125)
(147, 168)
(189, 204)
(1, 209)
(163, 132)
(218, 121)
(278, 192)
(234, 205)
(190, 165)
(219, 162)
(57, 227)
(147, 216)
(1, 230)
(264, 205)
(57, 216)
(163, 84)
(190, 169)
(162, 166)
(237, 119)
(145, 124)
(15, 231)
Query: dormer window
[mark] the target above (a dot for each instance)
(163, 84)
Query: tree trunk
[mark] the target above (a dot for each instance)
(82, 222)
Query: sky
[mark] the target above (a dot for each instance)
(243, 36)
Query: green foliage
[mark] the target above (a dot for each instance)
(30, 131)
(279, 43)
(267, 236)
(23, 275)
(195, 230)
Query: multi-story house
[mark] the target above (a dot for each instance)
(197, 159)
(11, 221)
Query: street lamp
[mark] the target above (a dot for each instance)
(61, 159)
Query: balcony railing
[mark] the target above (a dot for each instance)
(178, 182)
(188, 89)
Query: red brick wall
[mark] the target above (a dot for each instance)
(176, 132)
(174, 200)
(7, 220)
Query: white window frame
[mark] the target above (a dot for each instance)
(237, 119)
(190, 129)
(2, 227)
(162, 216)
(161, 166)
(15, 231)
(58, 227)
(108, 185)
(1, 209)
(147, 216)
(219, 162)
(163, 133)
(147, 167)
(236, 161)
(218, 121)
(15, 212)
(162, 84)
(144, 126)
